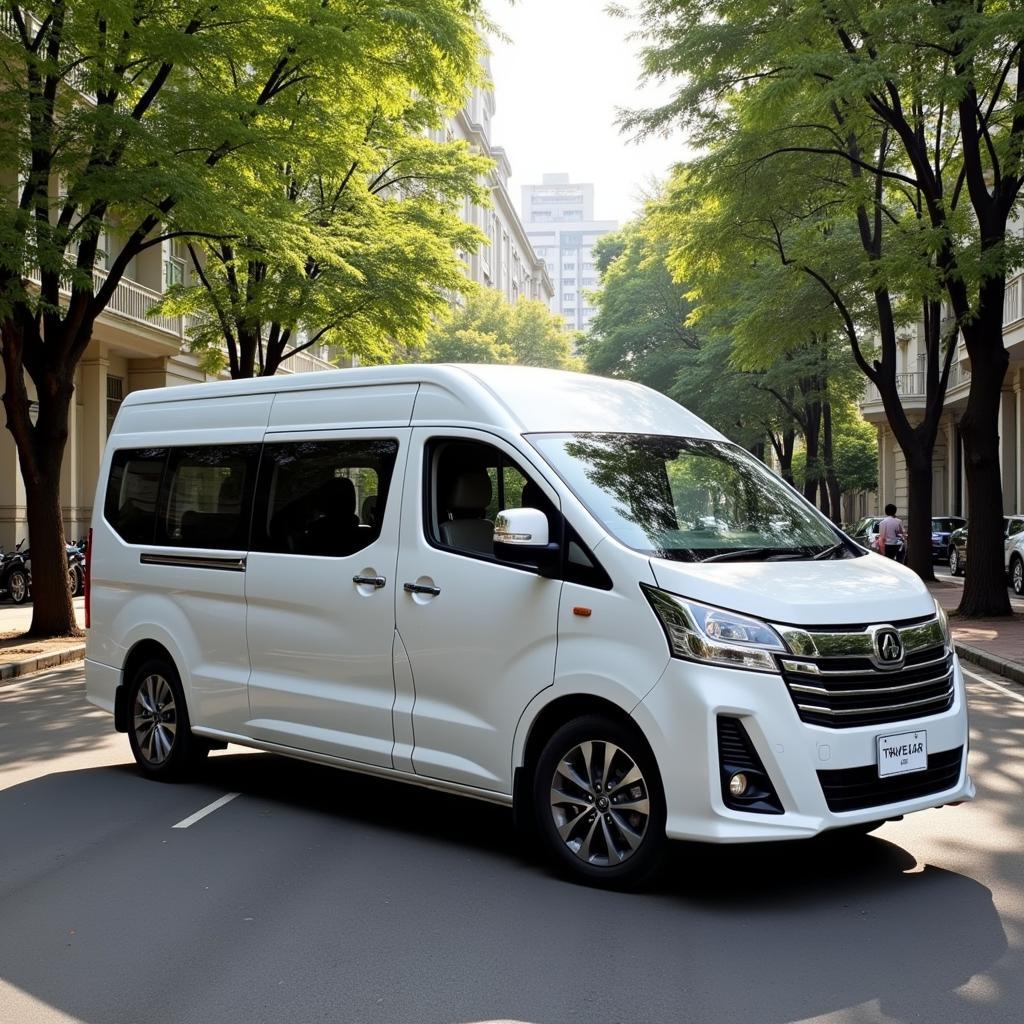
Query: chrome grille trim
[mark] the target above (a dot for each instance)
(868, 692)
(886, 708)
(857, 644)
(837, 679)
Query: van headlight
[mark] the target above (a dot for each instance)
(699, 632)
(940, 614)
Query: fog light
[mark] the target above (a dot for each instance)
(738, 784)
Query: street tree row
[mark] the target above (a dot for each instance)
(761, 387)
(873, 149)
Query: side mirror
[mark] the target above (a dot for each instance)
(521, 535)
(522, 528)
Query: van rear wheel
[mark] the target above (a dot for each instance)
(159, 730)
(599, 803)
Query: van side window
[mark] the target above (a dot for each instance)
(470, 483)
(206, 498)
(133, 488)
(323, 498)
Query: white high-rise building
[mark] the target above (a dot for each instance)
(559, 219)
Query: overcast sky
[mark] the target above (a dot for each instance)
(558, 83)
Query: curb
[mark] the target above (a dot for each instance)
(1010, 669)
(14, 669)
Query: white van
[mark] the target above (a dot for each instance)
(543, 589)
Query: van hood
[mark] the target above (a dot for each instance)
(846, 591)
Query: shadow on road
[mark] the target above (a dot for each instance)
(328, 896)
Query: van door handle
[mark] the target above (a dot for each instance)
(370, 581)
(421, 588)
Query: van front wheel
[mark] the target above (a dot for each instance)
(159, 731)
(599, 802)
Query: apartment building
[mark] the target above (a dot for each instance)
(508, 262)
(949, 481)
(559, 219)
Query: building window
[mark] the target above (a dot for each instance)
(569, 281)
(174, 265)
(115, 395)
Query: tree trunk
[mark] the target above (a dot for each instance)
(919, 513)
(985, 592)
(811, 441)
(830, 483)
(52, 611)
(786, 455)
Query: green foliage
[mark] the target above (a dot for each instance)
(487, 329)
(350, 238)
(639, 331)
(856, 455)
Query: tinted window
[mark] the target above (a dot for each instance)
(946, 525)
(324, 498)
(206, 498)
(1014, 527)
(133, 488)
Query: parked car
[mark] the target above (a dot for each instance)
(942, 527)
(535, 614)
(1013, 531)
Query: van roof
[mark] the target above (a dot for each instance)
(522, 398)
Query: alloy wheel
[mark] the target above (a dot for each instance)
(155, 719)
(1017, 576)
(954, 561)
(600, 803)
(19, 587)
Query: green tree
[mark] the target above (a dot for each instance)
(352, 240)
(639, 331)
(938, 86)
(140, 121)
(487, 329)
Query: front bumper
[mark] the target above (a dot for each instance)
(679, 717)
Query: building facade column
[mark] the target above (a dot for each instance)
(1008, 449)
(69, 492)
(13, 521)
(1018, 402)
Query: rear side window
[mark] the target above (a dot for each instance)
(206, 497)
(133, 489)
(322, 498)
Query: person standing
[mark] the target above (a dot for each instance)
(890, 533)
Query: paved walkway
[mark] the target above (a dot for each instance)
(18, 657)
(996, 644)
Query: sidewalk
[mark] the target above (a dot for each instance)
(995, 644)
(18, 657)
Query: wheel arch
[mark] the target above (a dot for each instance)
(536, 729)
(138, 654)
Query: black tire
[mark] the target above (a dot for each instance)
(954, 562)
(638, 841)
(76, 583)
(1017, 574)
(165, 750)
(18, 586)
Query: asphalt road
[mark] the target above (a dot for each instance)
(321, 896)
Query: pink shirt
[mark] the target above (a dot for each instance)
(890, 529)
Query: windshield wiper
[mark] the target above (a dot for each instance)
(739, 553)
(829, 552)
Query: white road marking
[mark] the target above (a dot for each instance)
(204, 811)
(995, 686)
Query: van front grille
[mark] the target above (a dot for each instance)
(842, 693)
(853, 789)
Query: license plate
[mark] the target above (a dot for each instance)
(902, 753)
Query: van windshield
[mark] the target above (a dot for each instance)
(689, 499)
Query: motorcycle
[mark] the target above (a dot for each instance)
(15, 574)
(16, 571)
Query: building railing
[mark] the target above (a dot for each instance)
(908, 385)
(131, 300)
